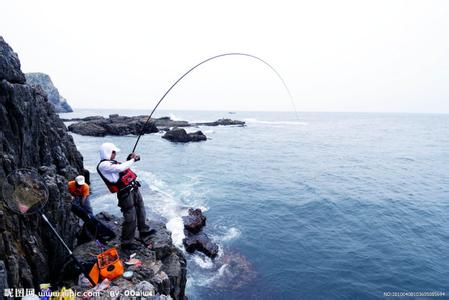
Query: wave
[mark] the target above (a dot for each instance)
(172, 202)
(252, 120)
(203, 262)
(226, 234)
(174, 117)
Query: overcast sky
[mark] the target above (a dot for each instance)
(334, 55)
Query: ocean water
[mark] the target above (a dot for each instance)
(330, 206)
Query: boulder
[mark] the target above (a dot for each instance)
(194, 221)
(200, 242)
(180, 135)
(44, 81)
(195, 239)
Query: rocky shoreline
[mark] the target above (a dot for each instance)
(33, 136)
(123, 125)
(162, 272)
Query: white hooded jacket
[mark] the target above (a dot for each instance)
(108, 169)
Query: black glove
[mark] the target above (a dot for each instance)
(133, 155)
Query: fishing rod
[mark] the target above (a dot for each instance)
(205, 61)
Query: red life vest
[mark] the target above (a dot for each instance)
(126, 179)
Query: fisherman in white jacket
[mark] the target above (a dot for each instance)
(120, 179)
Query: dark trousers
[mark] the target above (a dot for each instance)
(133, 209)
(86, 206)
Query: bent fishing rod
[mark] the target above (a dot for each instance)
(203, 62)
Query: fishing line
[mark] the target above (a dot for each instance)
(199, 64)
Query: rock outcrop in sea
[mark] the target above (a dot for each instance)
(195, 238)
(44, 81)
(114, 125)
(33, 136)
(123, 125)
(180, 135)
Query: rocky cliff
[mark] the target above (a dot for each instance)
(44, 81)
(33, 136)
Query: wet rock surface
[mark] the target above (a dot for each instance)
(44, 82)
(180, 135)
(163, 270)
(33, 136)
(195, 239)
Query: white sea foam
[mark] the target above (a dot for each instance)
(207, 279)
(231, 234)
(203, 262)
(171, 202)
(167, 202)
(174, 117)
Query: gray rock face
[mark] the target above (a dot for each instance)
(9, 64)
(44, 81)
(33, 136)
(180, 135)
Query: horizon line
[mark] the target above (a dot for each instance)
(273, 111)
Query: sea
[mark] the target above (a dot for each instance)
(306, 206)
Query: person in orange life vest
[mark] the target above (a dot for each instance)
(79, 189)
(120, 179)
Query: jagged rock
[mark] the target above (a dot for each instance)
(200, 242)
(9, 64)
(3, 279)
(180, 135)
(163, 265)
(114, 125)
(195, 221)
(33, 136)
(44, 81)
(195, 239)
(223, 122)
